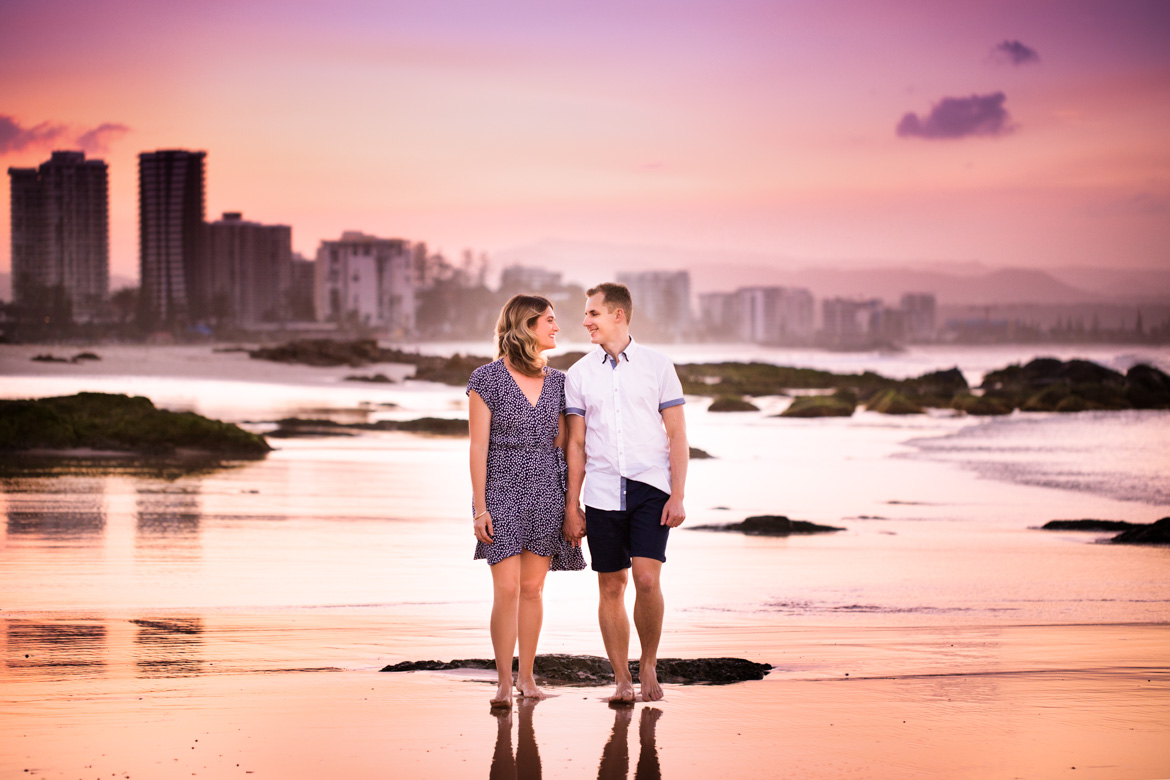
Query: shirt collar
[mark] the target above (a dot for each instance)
(630, 349)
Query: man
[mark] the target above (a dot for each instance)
(627, 434)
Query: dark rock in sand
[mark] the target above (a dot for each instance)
(1148, 387)
(770, 525)
(375, 378)
(438, 426)
(560, 669)
(80, 356)
(732, 403)
(323, 352)
(1087, 525)
(837, 405)
(47, 358)
(698, 454)
(1157, 533)
(105, 421)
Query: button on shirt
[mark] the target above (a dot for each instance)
(622, 403)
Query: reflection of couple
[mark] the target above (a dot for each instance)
(617, 417)
(615, 757)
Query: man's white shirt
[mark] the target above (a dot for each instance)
(622, 403)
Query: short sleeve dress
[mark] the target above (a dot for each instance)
(526, 472)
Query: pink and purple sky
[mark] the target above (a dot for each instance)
(1013, 133)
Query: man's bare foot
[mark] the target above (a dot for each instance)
(648, 680)
(528, 689)
(624, 694)
(503, 697)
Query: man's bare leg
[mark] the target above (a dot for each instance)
(533, 569)
(505, 594)
(648, 611)
(615, 631)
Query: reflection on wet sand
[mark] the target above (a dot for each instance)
(168, 648)
(59, 649)
(615, 757)
(526, 762)
(65, 509)
(168, 519)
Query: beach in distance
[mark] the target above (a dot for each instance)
(168, 619)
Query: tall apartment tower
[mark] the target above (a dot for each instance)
(61, 233)
(172, 257)
(662, 302)
(249, 270)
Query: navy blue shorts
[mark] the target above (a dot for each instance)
(634, 532)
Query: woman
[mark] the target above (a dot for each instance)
(517, 425)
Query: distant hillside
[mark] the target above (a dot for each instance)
(958, 284)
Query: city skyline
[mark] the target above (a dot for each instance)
(1008, 134)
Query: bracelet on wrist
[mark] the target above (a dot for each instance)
(481, 514)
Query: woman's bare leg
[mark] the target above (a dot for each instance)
(533, 569)
(506, 593)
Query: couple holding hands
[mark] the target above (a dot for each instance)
(610, 430)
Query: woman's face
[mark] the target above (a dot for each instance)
(546, 329)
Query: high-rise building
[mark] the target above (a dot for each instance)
(367, 282)
(61, 233)
(171, 238)
(249, 270)
(850, 322)
(302, 299)
(919, 310)
(662, 302)
(774, 315)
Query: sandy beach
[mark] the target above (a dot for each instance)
(232, 623)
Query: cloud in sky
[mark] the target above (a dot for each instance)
(959, 117)
(1015, 53)
(15, 138)
(97, 141)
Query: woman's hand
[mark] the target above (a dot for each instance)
(483, 528)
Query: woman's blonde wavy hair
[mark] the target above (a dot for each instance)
(515, 340)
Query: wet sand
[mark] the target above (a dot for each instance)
(230, 695)
(216, 624)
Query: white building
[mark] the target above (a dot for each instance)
(367, 281)
(662, 302)
(774, 315)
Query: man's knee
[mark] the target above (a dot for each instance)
(647, 576)
(612, 585)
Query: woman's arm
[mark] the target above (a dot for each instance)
(479, 426)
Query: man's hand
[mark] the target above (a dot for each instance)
(673, 513)
(574, 525)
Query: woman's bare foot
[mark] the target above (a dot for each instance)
(503, 697)
(648, 680)
(624, 694)
(528, 689)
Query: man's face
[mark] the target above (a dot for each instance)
(599, 321)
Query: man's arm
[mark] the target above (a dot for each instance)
(574, 527)
(673, 513)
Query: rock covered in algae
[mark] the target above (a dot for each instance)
(107, 421)
(591, 670)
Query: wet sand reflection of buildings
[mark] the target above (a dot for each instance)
(64, 510)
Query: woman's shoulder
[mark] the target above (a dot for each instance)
(554, 374)
(484, 376)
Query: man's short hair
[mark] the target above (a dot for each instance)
(617, 296)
